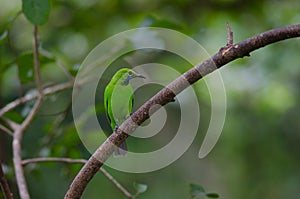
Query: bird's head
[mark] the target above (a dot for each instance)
(124, 75)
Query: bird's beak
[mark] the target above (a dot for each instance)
(140, 76)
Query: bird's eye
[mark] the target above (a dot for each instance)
(130, 73)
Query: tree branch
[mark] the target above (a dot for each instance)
(4, 185)
(36, 62)
(31, 96)
(117, 184)
(167, 94)
(229, 35)
(82, 161)
(20, 129)
(6, 130)
(17, 149)
(65, 160)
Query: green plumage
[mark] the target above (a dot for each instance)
(118, 100)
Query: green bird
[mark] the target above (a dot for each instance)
(118, 101)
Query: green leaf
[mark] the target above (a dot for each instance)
(196, 190)
(140, 188)
(212, 195)
(36, 11)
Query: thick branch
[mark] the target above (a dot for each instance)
(167, 94)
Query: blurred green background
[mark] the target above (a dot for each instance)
(257, 155)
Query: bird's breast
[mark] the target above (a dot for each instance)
(121, 100)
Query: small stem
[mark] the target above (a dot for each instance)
(116, 183)
(28, 97)
(229, 35)
(4, 185)
(6, 130)
(65, 160)
(82, 161)
(36, 61)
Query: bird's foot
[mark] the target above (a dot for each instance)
(116, 127)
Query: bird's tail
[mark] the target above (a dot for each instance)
(122, 150)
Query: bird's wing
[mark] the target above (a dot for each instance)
(107, 101)
(131, 103)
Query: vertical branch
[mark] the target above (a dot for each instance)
(19, 171)
(72, 161)
(36, 61)
(4, 185)
(20, 129)
(229, 35)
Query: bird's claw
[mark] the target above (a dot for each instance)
(116, 127)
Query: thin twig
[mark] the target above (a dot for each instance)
(65, 71)
(6, 130)
(32, 113)
(116, 183)
(41, 92)
(4, 185)
(229, 35)
(31, 96)
(13, 125)
(65, 160)
(81, 161)
(37, 72)
(167, 94)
